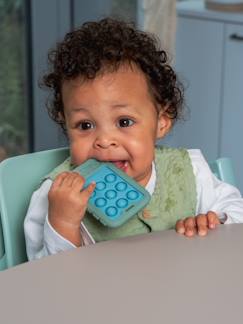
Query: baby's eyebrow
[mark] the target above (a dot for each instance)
(78, 109)
(116, 105)
(119, 105)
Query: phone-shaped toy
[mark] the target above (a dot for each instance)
(117, 197)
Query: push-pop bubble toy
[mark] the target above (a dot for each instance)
(116, 197)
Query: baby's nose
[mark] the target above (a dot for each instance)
(105, 141)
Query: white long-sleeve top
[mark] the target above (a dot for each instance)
(212, 194)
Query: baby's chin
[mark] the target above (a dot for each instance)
(144, 179)
(77, 161)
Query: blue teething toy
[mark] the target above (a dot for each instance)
(116, 197)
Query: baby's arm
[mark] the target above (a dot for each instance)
(41, 238)
(217, 202)
(67, 205)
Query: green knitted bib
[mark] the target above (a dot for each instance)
(174, 197)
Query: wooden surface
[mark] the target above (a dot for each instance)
(235, 7)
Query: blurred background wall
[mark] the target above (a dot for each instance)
(205, 47)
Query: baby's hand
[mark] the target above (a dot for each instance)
(68, 202)
(197, 225)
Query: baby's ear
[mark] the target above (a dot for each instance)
(61, 116)
(62, 119)
(164, 124)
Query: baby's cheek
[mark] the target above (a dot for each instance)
(142, 148)
(78, 154)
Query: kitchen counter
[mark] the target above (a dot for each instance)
(197, 9)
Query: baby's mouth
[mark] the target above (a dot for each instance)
(121, 165)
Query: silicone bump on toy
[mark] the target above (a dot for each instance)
(112, 195)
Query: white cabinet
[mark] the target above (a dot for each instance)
(209, 61)
(199, 65)
(231, 143)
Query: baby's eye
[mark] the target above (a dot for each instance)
(125, 122)
(86, 125)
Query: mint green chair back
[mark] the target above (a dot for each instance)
(223, 169)
(2, 250)
(19, 177)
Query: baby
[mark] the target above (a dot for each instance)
(114, 95)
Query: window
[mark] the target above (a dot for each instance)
(13, 79)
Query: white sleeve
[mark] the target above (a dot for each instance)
(40, 237)
(213, 194)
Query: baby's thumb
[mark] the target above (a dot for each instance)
(87, 192)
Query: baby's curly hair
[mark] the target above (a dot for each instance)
(97, 47)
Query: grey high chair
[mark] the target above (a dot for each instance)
(21, 175)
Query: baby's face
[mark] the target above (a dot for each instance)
(112, 118)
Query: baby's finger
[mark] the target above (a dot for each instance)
(87, 192)
(213, 219)
(78, 182)
(180, 228)
(59, 179)
(202, 224)
(190, 226)
(68, 180)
